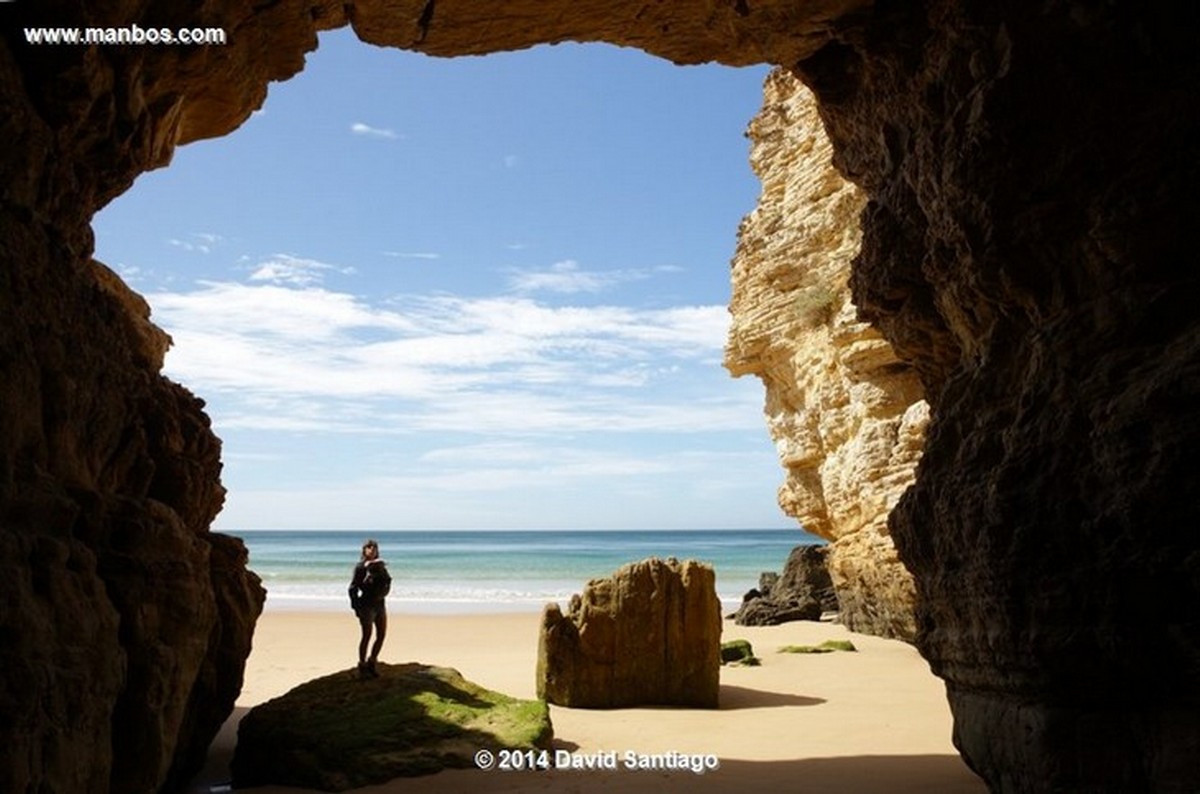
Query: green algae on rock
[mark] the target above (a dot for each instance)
(341, 731)
(829, 646)
(738, 652)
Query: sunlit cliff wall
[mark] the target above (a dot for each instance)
(846, 414)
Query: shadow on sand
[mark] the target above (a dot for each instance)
(740, 697)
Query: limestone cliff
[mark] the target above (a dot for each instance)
(845, 413)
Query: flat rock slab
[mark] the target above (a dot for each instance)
(343, 731)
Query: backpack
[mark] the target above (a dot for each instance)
(378, 582)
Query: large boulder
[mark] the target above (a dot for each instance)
(342, 731)
(648, 635)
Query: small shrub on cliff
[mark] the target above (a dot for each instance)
(816, 306)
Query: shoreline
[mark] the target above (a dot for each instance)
(871, 721)
(401, 608)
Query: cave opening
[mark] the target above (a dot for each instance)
(1028, 171)
(486, 292)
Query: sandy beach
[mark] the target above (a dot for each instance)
(871, 721)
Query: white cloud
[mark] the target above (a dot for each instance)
(567, 277)
(293, 270)
(198, 242)
(292, 355)
(358, 128)
(563, 277)
(412, 254)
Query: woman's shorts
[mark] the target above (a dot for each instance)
(370, 613)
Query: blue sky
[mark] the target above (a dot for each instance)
(469, 293)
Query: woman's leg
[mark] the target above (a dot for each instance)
(380, 633)
(364, 623)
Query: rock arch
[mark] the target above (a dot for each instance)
(1028, 170)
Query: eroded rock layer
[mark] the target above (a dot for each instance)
(845, 413)
(1029, 172)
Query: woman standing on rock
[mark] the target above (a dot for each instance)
(368, 589)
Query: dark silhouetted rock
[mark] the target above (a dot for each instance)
(343, 731)
(803, 592)
(648, 635)
(768, 612)
(126, 623)
(806, 576)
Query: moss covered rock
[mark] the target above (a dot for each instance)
(342, 731)
(738, 652)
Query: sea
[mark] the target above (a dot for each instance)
(449, 571)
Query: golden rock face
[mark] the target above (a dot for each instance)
(846, 415)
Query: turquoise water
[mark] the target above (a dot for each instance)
(447, 571)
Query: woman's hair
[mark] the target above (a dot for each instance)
(370, 544)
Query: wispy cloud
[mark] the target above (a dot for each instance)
(358, 128)
(293, 270)
(293, 355)
(198, 242)
(567, 277)
(412, 254)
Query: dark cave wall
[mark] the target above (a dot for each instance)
(124, 623)
(123, 619)
(1030, 172)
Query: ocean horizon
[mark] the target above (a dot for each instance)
(498, 570)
